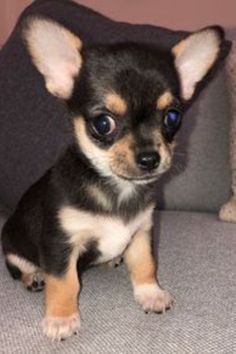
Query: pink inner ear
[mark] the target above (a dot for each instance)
(63, 88)
(61, 82)
(194, 57)
(55, 53)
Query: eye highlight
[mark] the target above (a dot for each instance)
(171, 122)
(172, 119)
(104, 125)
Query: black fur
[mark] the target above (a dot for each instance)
(14, 271)
(89, 257)
(139, 74)
(33, 231)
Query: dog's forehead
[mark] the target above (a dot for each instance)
(132, 77)
(119, 104)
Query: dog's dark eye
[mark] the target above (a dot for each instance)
(172, 118)
(104, 125)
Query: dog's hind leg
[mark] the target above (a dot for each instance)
(30, 275)
(34, 282)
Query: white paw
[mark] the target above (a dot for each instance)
(228, 211)
(152, 298)
(58, 328)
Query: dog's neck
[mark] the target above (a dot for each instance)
(85, 187)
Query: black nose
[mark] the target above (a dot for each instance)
(148, 160)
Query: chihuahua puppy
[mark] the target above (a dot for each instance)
(126, 103)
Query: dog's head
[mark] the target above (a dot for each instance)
(127, 100)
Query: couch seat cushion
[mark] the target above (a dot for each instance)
(197, 264)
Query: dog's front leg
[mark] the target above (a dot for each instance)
(141, 265)
(61, 315)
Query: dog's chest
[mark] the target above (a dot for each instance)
(110, 234)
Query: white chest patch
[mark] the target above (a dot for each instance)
(111, 233)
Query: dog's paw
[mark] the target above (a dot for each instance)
(152, 298)
(34, 282)
(59, 328)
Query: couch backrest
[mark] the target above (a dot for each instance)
(200, 177)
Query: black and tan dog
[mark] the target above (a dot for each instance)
(126, 103)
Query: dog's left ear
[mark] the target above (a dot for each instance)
(195, 56)
(55, 52)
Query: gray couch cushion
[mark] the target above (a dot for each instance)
(200, 177)
(196, 262)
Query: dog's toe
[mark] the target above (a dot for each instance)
(34, 282)
(60, 328)
(153, 299)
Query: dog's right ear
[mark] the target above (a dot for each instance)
(55, 51)
(195, 56)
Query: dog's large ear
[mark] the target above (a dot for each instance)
(55, 51)
(195, 56)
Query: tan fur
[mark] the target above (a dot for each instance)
(139, 259)
(61, 293)
(164, 100)
(74, 41)
(108, 162)
(97, 156)
(80, 132)
(100, 197)
(141, 265)
(121, 155)
(165, 151)
(101, 159)
(115, 103)
(179, 48)
(119, 159)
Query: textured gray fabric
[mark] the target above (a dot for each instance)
(196, 262)
(199, 179)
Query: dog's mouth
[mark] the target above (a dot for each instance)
(141, 180)
(144, 178)
(135, 176)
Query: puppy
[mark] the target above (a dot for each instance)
(126, 103)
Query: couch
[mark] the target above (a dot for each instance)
(195, 251)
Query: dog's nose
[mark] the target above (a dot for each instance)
(148, 160)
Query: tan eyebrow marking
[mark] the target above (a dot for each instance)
(115, 103)
(164, 100)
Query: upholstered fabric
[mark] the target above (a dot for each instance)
(199, 179)
(197, 264)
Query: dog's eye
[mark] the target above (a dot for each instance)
(104, 124)
(172, 118)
